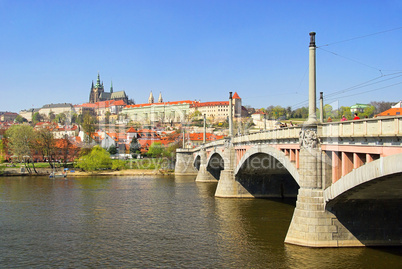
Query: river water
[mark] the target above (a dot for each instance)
(155, 222)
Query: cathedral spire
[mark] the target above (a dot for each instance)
(98, 83)
(111, 86)
(151, 98)
(160, 100)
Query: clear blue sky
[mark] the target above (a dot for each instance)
(51, 51)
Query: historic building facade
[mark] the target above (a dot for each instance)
(179, 111)
(219, 111)
(164, 112)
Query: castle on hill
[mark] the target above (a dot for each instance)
(98, 93)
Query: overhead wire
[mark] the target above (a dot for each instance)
(359, 37)
(329, 100)
(360, 85)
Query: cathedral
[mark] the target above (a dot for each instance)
(98, 93)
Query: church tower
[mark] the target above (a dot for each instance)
(237, 105)
(151, 98)
(160, 100)
(96, 91)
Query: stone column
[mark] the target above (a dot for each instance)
(312, 118)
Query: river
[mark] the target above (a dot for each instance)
(155, 222)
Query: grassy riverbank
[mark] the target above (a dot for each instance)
(135, 167)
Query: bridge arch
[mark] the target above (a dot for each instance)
(275, 153)
(267, 172)
(215, 164)
(197, 162)
(367, 201)
(378, 172)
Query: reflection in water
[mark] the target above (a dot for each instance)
(154, 222)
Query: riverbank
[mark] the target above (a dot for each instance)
(126, 172)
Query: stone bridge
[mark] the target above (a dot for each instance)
(347, 177)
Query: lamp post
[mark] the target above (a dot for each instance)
(321, 107)
(205, 131)
(230, 115)
(312, 118)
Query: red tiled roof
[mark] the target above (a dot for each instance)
(391, 112)
(218, 103)
(200, 137)
(103, 104)
(131, 130)
(119, 103)
(236, 96)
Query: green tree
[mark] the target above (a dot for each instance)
(79, 119)
(61, 118)
(36, 117)
(278, 112)
(46, 145)
(74, 118)
(156, 150)
(288, 112)
(88, 124)
(368, 112)
(21, 143)
(301, 113)
(135, 147)
(2, 153)
(107, 117)
(20, 119)
(328, 111)
(269, 112)
(52, 116)
(112, 150)
(97, 159)
(118, 165)
(344, 110)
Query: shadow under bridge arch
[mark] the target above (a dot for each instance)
(197, 162)
(266, 172)
(215, 165)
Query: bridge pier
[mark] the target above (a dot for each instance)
(311, 224)
(184, 163)
(203, 174)
(227, 185)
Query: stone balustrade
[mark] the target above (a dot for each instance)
(377, 127)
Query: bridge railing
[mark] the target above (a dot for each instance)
(208, 145)
(274, 135)
(288, 133)
(376, 127)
